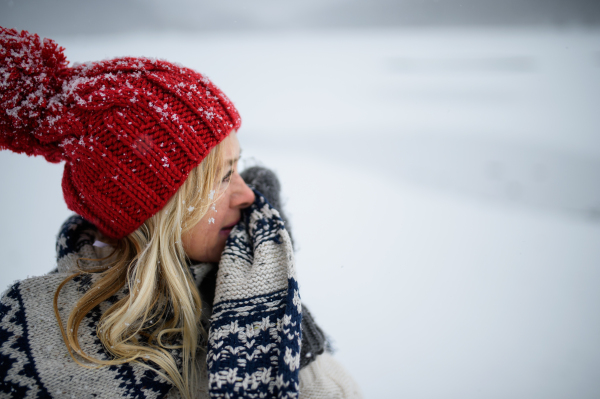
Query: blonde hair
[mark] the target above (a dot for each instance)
(161, 310)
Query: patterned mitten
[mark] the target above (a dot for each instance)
(255, 334)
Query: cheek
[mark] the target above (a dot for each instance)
(195, 241)
(204, 242)
(220, 207)
(201, 242)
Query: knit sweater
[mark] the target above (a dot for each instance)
(259, 345)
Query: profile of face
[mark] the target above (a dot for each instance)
(206, 240)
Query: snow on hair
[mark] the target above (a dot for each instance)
(163, 303)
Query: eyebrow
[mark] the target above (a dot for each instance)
(232, 160)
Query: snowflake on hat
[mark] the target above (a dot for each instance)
(30, 78)
(129, 129)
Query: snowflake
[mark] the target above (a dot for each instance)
(62, 241)
(211, 220)
(209, 115)
(190, 209)
(212, 194)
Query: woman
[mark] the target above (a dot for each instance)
(175, 278)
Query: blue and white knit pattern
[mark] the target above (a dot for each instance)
(255, 334)
(34, 362)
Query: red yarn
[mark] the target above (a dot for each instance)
(30, 78)
(129, 130)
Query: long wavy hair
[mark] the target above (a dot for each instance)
(161, 309)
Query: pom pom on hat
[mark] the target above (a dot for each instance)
(129, 129)
(31, 76)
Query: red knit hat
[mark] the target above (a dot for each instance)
(129, 130)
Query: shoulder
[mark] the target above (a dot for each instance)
(26, 326)
(34, 361)
(321, 376)
(35, 295)
(29, 298)
(326, 378)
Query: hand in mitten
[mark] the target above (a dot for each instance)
(266, 182)
(314, 340)
(255, 332)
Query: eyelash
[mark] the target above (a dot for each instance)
(227, 177)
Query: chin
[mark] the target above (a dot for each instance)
(216, 256)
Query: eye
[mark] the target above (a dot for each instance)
(227, 177)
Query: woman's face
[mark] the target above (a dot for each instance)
(206, 240)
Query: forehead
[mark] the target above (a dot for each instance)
(231, 146)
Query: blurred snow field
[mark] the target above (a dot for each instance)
(443, 188)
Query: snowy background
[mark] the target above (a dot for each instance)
(442, 176)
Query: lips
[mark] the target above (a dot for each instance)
(230, 226)
(227, 229)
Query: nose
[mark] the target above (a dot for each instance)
(242, 195)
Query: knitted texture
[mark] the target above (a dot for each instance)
(129, 130)
(254, 338)
(327, 379)
(255, 334)
(265, 181)
(34, 361)
(76, 238)
(314, 340)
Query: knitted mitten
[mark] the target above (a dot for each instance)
(255, 333)
(266, 182)
(314, 340)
